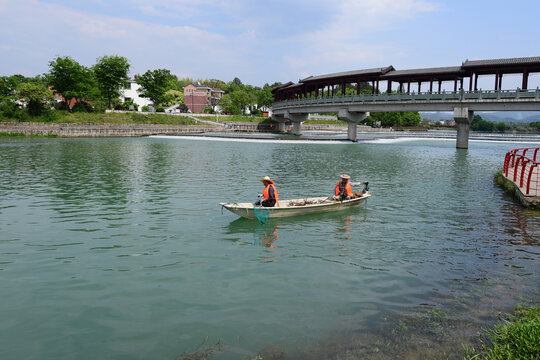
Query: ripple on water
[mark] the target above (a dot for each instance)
(126, 237)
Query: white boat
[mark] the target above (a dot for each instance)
(294, 207)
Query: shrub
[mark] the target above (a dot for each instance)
(517, 338)
(11, 110)
(145, 108)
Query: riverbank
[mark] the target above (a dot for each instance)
(122, 128)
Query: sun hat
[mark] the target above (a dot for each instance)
(344, 176)
(266, 178)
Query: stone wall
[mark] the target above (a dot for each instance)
(100, 130)
(127, 130)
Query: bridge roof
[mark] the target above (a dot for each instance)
(354, 74)
(281, 87)
(436, 73)
(508, 65)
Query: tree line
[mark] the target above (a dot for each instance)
(99, 86)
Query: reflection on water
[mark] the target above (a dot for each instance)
(121, 242)
(266, 235)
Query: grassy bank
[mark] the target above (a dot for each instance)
(325, 122)
(237, 118)
(17, 135)
(517, 337)
(112, 118)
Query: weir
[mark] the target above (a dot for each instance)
(331, 93)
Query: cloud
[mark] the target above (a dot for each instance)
(255, 40)
(52, 30)
(349, 39)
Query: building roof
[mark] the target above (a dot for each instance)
(349, 74)
(206, 87)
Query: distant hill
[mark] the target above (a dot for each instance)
(499, 116)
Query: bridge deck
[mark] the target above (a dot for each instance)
(476, 100)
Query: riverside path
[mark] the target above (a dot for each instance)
(293, 102)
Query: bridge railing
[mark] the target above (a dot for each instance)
(420, 96)
(522, 167)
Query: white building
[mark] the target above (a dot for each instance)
(130, 92)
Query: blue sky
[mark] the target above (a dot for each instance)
(264, 41)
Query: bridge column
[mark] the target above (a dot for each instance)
(282, 126)
(297, 120)
(463, 118)
(352, 119)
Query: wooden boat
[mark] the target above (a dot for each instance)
(295, 207)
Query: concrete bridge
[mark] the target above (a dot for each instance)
(354, 94)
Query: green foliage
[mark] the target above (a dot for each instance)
(145, 108)
(508, 186)
(394, 119)
(411, 118)
(535, 125)
(11, 110)
(479, 124)
(35, 95)
(111, 73)
(9, 84)
(518, 337)
(173, 97)
(128, 103)
(236, 101)
(155, 83)
(17, 135)
(264, 97)
(71, 79)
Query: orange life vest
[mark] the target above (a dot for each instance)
(348, 189)
(266, 193)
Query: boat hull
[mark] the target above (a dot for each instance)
(322, 205)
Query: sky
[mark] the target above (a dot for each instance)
(264, 41)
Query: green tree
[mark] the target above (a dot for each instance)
(172, 97)
(265, 97)
(535, 125)
(241, 99)
(71, 79)
(111, 73)
(9, 84)
(35, 95)
(155, 83)
(501, 127)
(411, 118)
(226, 104)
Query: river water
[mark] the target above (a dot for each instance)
(117, 248)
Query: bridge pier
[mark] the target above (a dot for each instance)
(463, 118)
(282, 122)
(297, 120)
(352, 119)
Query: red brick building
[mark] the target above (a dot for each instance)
(198, 96)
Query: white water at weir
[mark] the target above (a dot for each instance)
(317, 137)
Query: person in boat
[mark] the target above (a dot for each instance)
(270, 196)
(343, 189)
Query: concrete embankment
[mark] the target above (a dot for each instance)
(116, 130)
